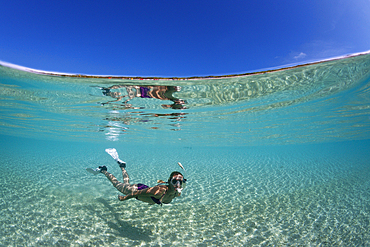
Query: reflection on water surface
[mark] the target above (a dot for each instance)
(317, 102)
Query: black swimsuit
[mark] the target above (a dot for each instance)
(143, 186)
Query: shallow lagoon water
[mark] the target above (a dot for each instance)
(278, 158)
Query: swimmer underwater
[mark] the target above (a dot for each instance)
(164, 192)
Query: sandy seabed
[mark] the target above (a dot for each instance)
(315, 195)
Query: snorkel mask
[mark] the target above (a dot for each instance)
(177, 180)
(179, 184)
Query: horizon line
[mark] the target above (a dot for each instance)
(262, 71)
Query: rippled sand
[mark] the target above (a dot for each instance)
(296, 195)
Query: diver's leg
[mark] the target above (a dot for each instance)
(126, 180)
(125, 187)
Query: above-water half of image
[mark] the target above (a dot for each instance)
(317, 102)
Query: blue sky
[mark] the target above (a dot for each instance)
(179, 38)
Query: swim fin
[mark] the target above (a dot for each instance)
(113, 152)
(93, 171)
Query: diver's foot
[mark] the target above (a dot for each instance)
(102, 168)
(121, 164)
(96, 170)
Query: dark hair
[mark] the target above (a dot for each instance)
(173, 174)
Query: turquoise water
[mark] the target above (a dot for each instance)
(272, 159)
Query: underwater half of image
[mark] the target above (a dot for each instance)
(302, 194)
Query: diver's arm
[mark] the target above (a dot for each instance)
(156, 191)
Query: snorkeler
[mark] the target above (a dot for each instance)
(155, 92)
(164, 192)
